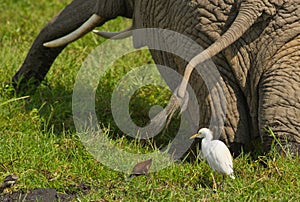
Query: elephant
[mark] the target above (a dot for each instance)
(255, 45)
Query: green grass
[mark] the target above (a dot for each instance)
(38, 140)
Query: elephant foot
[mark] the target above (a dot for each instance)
(292, 149)
(25, 83)
(283, 145)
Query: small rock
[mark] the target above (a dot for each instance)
(141, 168)
(9, 181)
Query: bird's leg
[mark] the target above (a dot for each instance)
(214, 181)
(223, 179)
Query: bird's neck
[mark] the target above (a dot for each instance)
(208, 137)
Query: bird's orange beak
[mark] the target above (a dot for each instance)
(194, 136)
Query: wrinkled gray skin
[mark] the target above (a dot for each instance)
(260, 69)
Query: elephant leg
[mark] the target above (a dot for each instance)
(235, 132)
(279, 99)
(39, 59)
(237, 123)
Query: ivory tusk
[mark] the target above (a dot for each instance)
(115, 35)
(86, 27)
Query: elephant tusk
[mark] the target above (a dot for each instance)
(115, 35)
(86, 27)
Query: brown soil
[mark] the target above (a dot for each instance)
(41, 194)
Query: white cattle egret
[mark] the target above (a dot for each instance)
(215, 153)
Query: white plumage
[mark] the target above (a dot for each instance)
(215, 153)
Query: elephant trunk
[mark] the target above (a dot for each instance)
(246, 17)
(86, 27)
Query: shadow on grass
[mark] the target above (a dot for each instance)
(54, 106)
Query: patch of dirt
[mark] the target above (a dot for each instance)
(40, 194)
